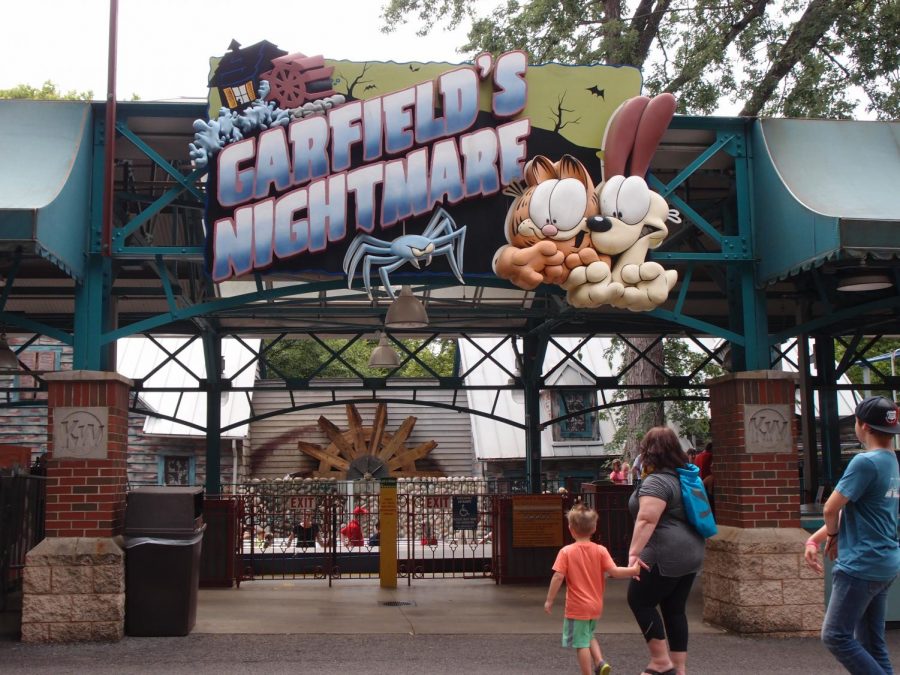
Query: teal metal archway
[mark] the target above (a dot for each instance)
(151, 279)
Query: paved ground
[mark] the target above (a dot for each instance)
(382, 654)
(454, 626)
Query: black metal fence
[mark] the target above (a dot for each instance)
(326, 529)
(22, 509)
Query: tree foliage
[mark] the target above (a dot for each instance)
(691, 418)
(303, 359)
(47, 92)
(856, 373)
(810, 58)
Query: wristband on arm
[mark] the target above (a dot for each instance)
(810, 542)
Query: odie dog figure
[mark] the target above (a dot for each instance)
(632, 218)
(548, 225)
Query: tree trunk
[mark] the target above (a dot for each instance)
(819, 16)
(642, 416)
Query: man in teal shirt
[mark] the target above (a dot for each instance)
(861, 530)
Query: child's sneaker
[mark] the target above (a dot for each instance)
(603, 668)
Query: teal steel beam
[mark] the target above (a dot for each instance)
(699, 161)
(698, 220)
(154, 208)
(21, 321)
(682, 292)
(188, 253)
(534, 347)
(92, 295)
(185, 181)
(754, 317)
(835, 316)
(327, 403)
(212, 351)
(733, 249)
(91, 309)
(828, 410)
(698, 324)
(167, 284)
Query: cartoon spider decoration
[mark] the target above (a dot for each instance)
(440, 238)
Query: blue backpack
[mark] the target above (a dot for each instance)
(697, 510)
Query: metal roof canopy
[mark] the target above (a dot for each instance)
(710, 169)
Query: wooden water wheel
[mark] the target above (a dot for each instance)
(367, 452)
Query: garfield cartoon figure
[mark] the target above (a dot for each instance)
(548, 224)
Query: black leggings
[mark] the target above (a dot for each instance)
(670, 594)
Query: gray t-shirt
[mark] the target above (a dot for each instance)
(675, 546)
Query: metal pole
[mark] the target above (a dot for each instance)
(109, 131)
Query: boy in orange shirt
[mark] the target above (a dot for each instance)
(584, 566)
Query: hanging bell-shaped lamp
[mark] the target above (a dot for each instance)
(407, 311)
(384, 356)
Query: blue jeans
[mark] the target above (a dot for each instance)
(853, 629)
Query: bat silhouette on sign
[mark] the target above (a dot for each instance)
(369, 86)
(597, 91)
(414, 69)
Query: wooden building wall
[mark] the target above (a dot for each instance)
(273, 449)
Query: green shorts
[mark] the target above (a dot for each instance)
(578, 633)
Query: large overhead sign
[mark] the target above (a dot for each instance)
(375, 171)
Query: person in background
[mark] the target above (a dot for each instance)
(617, 475)
(671, 552)
(704, 461)
(352, 532)
(627, 471)
(860, 535)
(637, 470)
(584, 566)
(375, 539)
(692, 455)
(306, 534)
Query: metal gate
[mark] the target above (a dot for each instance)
(22, 506)
(327, 529)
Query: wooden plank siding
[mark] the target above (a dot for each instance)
(273, 441)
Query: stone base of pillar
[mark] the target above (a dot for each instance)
(74, 591)
(755, 582)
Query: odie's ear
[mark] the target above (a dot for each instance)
(570, 167)
(618, 140)
(654, 122)
(539, 169)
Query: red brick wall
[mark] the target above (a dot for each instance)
(86, 498)
(752, 489)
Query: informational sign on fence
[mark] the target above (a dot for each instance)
(465, 512)
(536, 521)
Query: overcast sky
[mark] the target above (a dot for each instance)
(165, 45)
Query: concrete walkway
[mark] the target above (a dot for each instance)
(436, 607)
(471, 627)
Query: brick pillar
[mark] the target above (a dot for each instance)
(757, 480)
(74, 588)
(86, 468)
(754, 578)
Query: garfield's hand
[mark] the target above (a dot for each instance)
(529, 267)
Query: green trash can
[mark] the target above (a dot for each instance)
(163, 538)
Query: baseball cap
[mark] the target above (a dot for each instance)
(880, 413)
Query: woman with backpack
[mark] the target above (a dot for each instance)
(670, 550)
